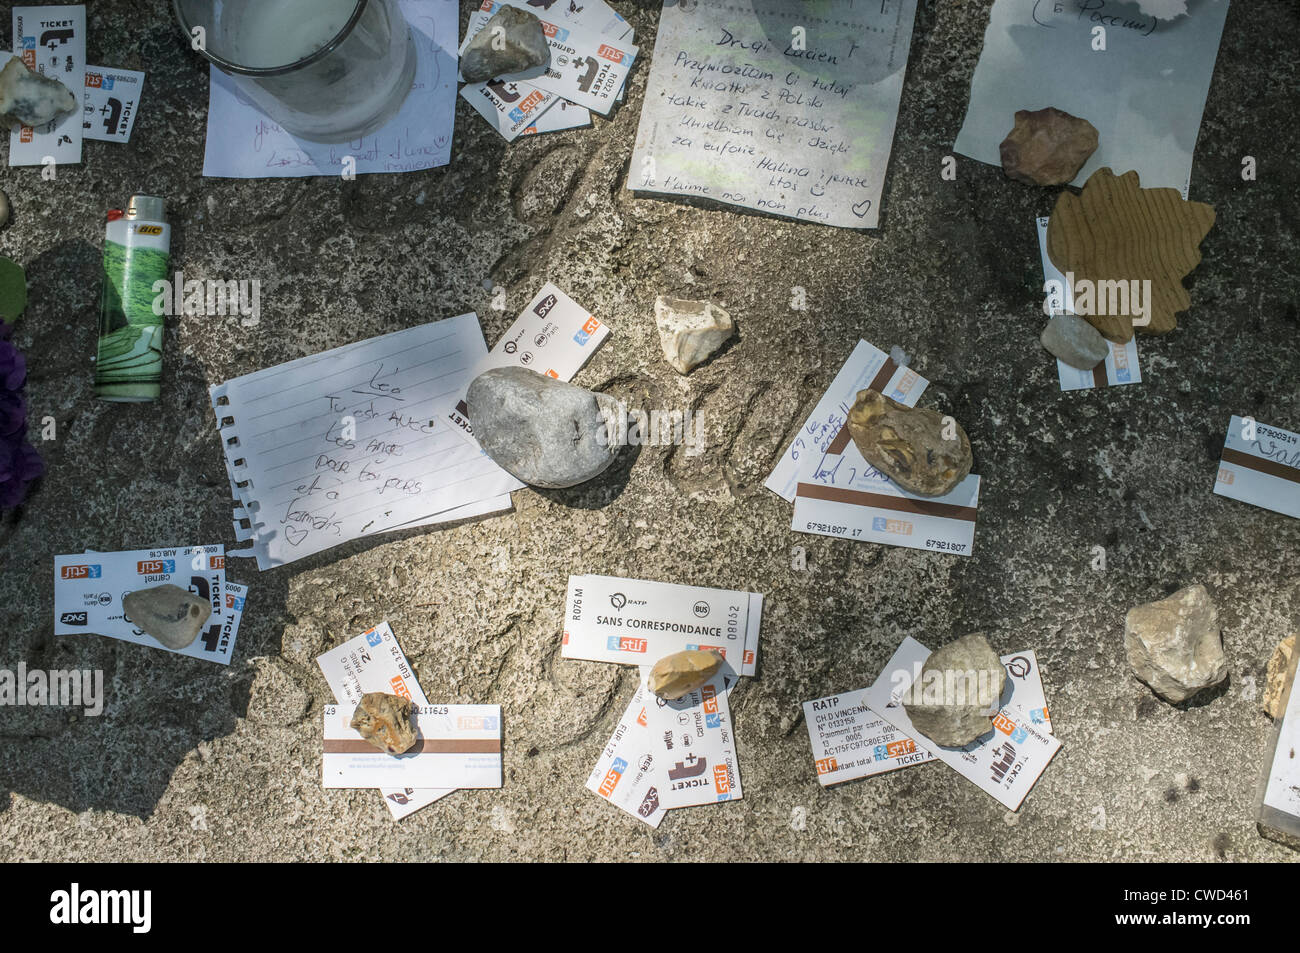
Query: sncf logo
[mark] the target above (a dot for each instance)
(544, 306)
(74, 618)
(612, 777)
(624, 644)
(81, 572)
(151, 567)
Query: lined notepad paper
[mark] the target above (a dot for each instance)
(353, 442)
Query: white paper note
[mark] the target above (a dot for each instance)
(741, 109)
(112, 99)
(1145, 91)
(694, 747)
(351, 442)
(243, 143)
(627, 773)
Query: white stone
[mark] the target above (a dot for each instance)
(690, 331)
(1174, 644)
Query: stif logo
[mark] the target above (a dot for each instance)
(721, 779)
(827, 765)
(612, 777)
(1004, 724)
(710, 696)
(398, 685)
(640, 719)
(894, 750)
(625, 644)
(81, 572)
(152, 567)
(613, 54)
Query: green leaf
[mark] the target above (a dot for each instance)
(13, 290)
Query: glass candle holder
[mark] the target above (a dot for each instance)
(324, 70)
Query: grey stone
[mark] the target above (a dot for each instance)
(691, 331)
(511, 42)
(1174, 644)
(542, 431)
(172, 615)
(1075, 341)
(29, 99)
(385, 721)
(954, 699)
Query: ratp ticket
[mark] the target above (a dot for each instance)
(637, 622)
(554, 335)
(850, 741)
(695, 747)
(1004, 763)
(626, 774)
(457, 746)
(1260, 465)
(1121, 364)
(112, 98)
(867, 367)
(89, 587)
(587, 67)
(847, 498)
(52, 41)
(374, 662)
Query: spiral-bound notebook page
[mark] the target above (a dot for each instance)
(351, 442)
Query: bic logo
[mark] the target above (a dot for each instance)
(612, 776)
(148, 230)
(827, 765)
(625, 644)
(610, 53)
(150, 567)
(721, 781)
(399, 687)
(81, 572)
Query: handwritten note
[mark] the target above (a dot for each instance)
(1141, 81)
(350, 442)
(243, 143)
(783, 108)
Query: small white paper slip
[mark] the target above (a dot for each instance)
(553, 335)
(694, 747)
(851, 741)
(51, 41)
(626, 773)
(1004, 764)
(374, 662)
(1264, 470)
(1121, 365)
(111, 101)
(867, 367)
(88, 591)
(848, 498)
(458, 746)
(510, 108)
(636, 622)
(242, 143)
(587, 67)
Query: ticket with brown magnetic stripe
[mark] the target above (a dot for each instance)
(1260, 465)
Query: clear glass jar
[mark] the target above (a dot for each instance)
(324, 70)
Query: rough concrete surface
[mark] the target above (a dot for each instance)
(195, 761)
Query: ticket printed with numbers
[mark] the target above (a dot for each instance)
(694, 746)
(457, 746)
(587, 67)
(554, 336)
(867, 367)
(627, 775)
(848, 498)
(1004, 763)
(851, 741)
(89, 587)
(1121, 364)
(374, 662)
(52, 41)
(510, 108)
(635, 622)
(112, 98)
(1260, 465)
